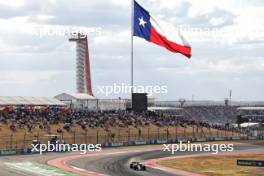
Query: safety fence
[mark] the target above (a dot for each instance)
(147, 135)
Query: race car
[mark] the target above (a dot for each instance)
(138, 166)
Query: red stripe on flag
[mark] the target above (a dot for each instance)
(161, 40)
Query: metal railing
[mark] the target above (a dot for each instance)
(99, 136)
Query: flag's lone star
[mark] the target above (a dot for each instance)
(144, 28)
(142, 22)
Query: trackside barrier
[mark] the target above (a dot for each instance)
(107, 144)
(139, 142)
(117, 144)
(161, 141)
(23, 151)
(152, 141)
(252, 137)
(182, 140)
(173, 140)
(193, 139)
(235, 138)
(210, 138)
(219, 138)
(250, 163)
(7, 152)
(201, 140)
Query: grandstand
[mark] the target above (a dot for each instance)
(177, 112)
(253, 114)
(80, 101)
(187, 103)
(23, 119)
(219, 112)
(21, 126)
(35, 102)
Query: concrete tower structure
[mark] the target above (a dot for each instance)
(83, 72)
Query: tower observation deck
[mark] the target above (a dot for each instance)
(83, 72)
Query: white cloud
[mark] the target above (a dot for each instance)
(227, 52)
(14, 3)
(26, 77)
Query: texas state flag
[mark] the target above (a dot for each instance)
(145, 26)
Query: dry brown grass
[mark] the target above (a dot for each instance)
(217, 165)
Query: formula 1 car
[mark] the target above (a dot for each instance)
(138, 166)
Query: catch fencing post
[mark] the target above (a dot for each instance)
(62, 136)
(118, 138)
(184, 132)
(74, 137)
(97, 137)
(202, 131)
(176, 131)
(158, 133)
(148, 134)
(139, 133)
(128, 135)
(106, 137)
(193, 131)
(167, 134)
(24, 142)
(11, 140)
(85, 136)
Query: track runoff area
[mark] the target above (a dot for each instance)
(182, 159)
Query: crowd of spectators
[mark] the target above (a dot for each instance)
(254, 115)
(213, 117)
(213, 114)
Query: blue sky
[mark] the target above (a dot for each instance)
(227, 38)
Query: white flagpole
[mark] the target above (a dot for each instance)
(132, 48)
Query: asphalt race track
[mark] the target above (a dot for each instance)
(115, 161)
(118, 165)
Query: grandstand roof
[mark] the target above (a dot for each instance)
(243, 125)
(163, 108)
(251, 108)
(70, 96)
(17, 100)
(210, 103)
(82, 96)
